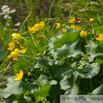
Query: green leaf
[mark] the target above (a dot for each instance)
(95, 68)
(66, 83)
(99, 29)
(17, 87)
(25, 99)
(94, 51)
(13, 87)
(40, 63)
(72, 91)
(43, 92)
(67, 37)
(67, 74)
(98, 91)
(21, 65)
(43, 79)
(101, 44)
(59, 71)
(51, 45)
(11, 99)
(3, 54)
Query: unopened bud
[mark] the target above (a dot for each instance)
(56, 58)
(39, 54)
(83, 59)
(84, 64)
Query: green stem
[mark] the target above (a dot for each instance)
(32, 50)
(33, 39)
(53, 1)
(91, 84)
(77, 65)
(85, 57)
(51, 97)
(92, 28)
(86, 40)
(29, 79)
(68, 63)
(49, 72)
(52, 70)
(34, 76)
(29, 42)
(27, 56)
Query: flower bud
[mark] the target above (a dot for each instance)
(56, 58)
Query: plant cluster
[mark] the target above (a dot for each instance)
(68, 63)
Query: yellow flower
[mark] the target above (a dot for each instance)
(72, 20)
(30, 29)
(24, 50)
(37, 35)
(15, 53)
(36, 27)
(83, 33)
(22, 46)
(42, 36)
(29, 74)
(16, 35)
(100, 38)
(41, 24)
(36, 41)
(11, 46)
(91, 19)
(75, 27)
(58, 26)
(19, 76)
(9, 56)
(63, 30)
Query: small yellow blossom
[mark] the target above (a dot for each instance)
(42, 36)
(11, 46)
(29, 74)
(36, 27)
(75, 27)
(24, 50)
(36, 41)
(37, 35)
(15, 40)
(22, 46)
(100, 38)
(91, 19)
(16, 35)
(9, 57)
(41, 24)
(15, 53)
(30, 29)
(19, 75)
(72, 20)
(63, 30)
(58, 26)
(83, 33)
(79, 21)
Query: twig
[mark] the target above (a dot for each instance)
(27, 18)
